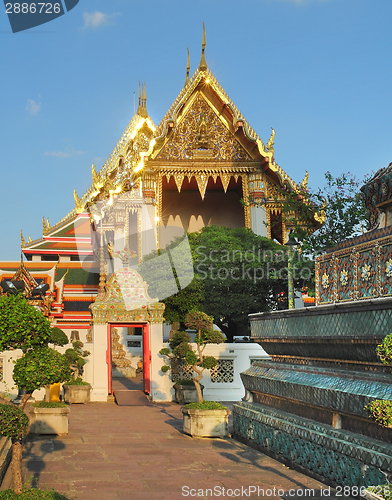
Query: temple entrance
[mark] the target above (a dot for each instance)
(129, 376)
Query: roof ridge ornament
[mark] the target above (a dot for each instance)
(203, 64)
(188, 67)
(142, 109)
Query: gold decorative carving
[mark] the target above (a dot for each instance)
(79, 205)
(245, 194)
(304, 183)
(270, 143)
(126, 299)
(201, 130)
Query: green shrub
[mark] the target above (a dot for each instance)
(58, 337)
(75, 359)
(13, 421)
(21, 325)
(380, 410)
(40, 367)
(78, 381)
(206, 405)
(32, 494)
(384, 350)
(49, 404)
(182, 350)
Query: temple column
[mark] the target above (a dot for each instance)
(258, 214)
(161, 384)
(99, 361)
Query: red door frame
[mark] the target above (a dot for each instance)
(146, 354)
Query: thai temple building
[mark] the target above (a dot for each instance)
(199, 166)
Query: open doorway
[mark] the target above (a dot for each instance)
(130, 357)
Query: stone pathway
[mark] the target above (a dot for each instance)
(119, 453)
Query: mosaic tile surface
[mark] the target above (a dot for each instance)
(334, 389)
(344, 457)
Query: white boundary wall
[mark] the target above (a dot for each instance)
(240, 353)
(162, 390)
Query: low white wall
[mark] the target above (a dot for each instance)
(240, 353)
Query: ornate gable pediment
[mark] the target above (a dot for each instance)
(201, 134)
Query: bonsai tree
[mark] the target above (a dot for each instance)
(75, 358)
(23, 327)
(181, 348)
(380, 410)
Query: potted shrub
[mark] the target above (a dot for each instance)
(202, 418)
(75, 389)
(38, 368)
(185, 391)
(23, 327)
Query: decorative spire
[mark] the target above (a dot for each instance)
(203, 63)
(188, 67)
(139, 109)
(142, 109)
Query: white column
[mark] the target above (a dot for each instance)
(161, 385)
(100, 368)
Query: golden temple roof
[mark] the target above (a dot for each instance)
(108, 174)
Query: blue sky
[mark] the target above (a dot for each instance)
(318, 71)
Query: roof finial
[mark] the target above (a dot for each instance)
(188, 67)
(143, 112)
(139, 108)
(203, 64)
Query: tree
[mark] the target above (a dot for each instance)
(236, 273)
(321, 219)
(23, 327)
(181, 348)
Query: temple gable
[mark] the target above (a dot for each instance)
(202, 134)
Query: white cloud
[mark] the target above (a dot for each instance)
(93, 20)
(33, 107)
(68, 153)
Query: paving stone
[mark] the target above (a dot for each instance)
(119, 453)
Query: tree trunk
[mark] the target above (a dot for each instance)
(24, 400)
(198, 390)
(16, 465)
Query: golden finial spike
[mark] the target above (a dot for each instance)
(188, 67)
(44, 224)
(22, 239)
(143, 112)
(47, 223)
(203, 63)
